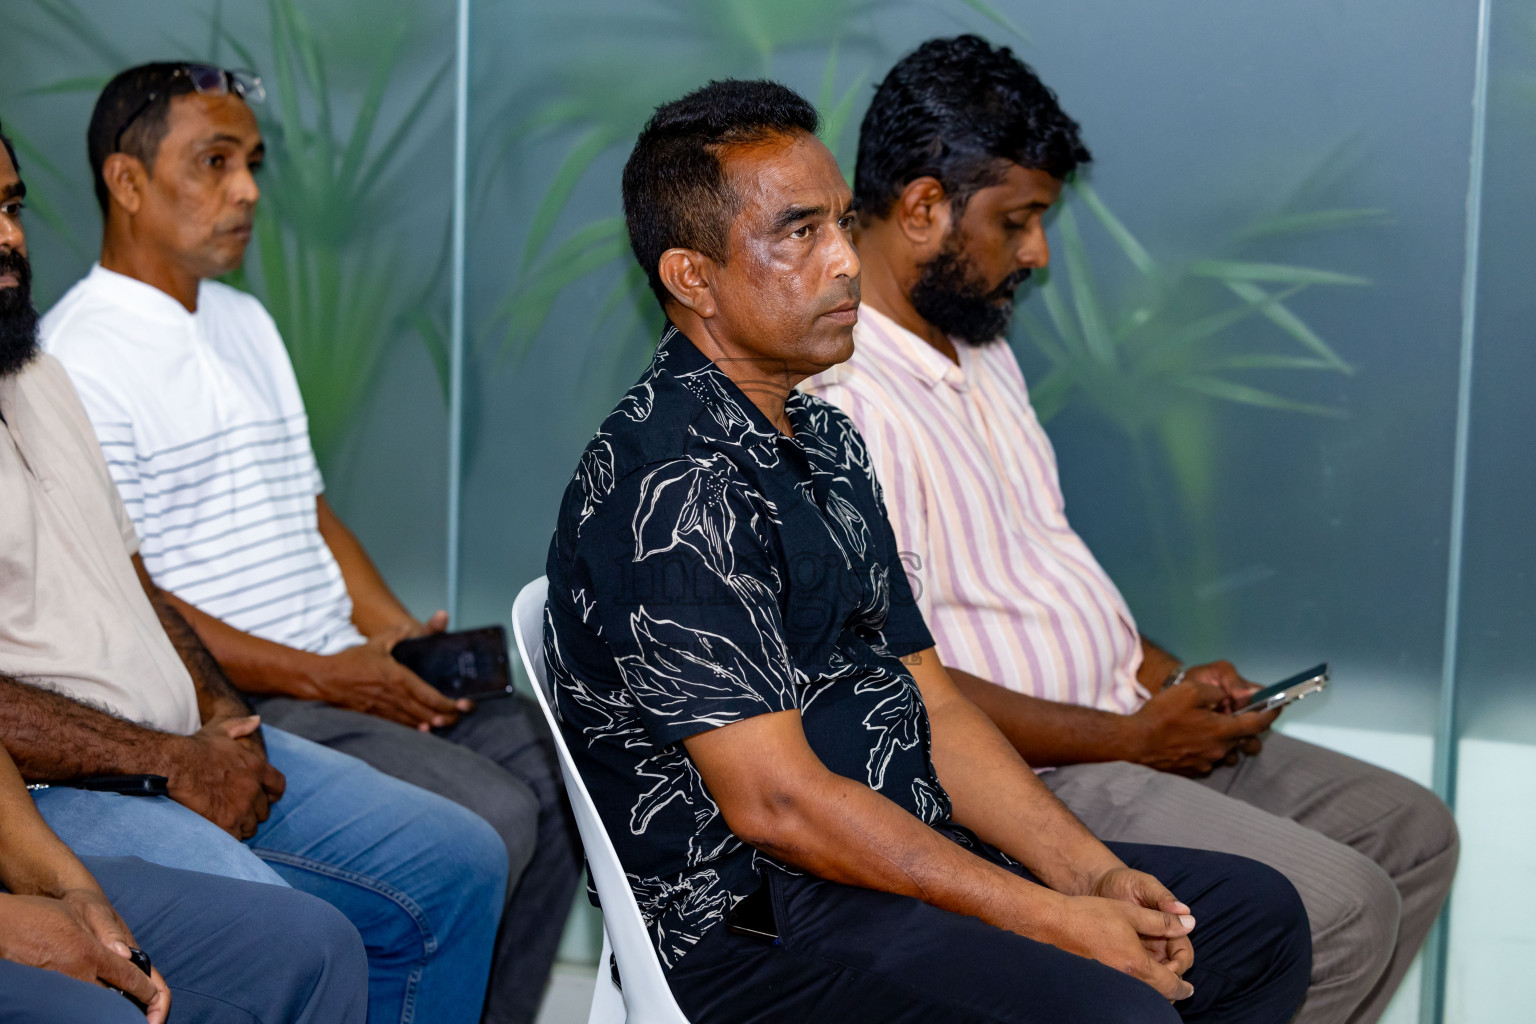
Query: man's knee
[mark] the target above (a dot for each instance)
(1275, 929)
(1431, 828)
(320, 947)
(1354, 918)
(476, 857)
(511, 809)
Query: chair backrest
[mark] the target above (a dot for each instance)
(646, 997)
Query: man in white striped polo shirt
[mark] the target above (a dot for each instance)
(194, 400)
(960, 155)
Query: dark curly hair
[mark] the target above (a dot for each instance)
(676, 194)
(960, 110)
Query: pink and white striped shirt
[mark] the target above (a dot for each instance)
(1009, 591)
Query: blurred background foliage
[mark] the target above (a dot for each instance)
(1151, 343)
(332, 170)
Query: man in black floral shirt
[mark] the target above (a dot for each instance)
(816, 824)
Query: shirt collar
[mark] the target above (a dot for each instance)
(893, 342)
(138, 297)
(731, 414)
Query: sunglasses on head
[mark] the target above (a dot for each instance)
(207, 80)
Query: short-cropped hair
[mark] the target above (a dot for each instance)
(676, 191)
(122, 96)
(960, 110)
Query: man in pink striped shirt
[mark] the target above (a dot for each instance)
(960, 155)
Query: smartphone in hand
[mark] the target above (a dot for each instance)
(472, 663)
(1287, 691)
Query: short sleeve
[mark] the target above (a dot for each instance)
(901, 491)
(686, 595)
(113, 429)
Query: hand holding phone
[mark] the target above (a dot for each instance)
(1287, 691)
(472, 663)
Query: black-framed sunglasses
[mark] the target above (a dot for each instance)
(208, 80)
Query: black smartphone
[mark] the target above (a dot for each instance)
(753, 915)
(472, 663)
(127, 785)
(139, 959)
(1288, 691)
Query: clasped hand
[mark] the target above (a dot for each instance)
(1129, 921)
(221, 774)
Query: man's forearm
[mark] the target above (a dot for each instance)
(1047, 733)
(1157, 666)
(996, 795)
(251, 663)
(33, 861)
(841, 830)
(375, 607)
(52, 737)
(216, 695)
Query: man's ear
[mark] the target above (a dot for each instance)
(125, 177)
(686, 273)
(922, 212)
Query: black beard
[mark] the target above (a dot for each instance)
(948, 295)
(18, 320)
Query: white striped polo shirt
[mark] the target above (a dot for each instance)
(204, 431)
(1009, 591)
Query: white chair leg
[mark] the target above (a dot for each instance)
(607, 1000)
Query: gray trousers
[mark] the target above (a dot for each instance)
(499, 762)
(1371, 853)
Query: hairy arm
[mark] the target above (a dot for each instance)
(217, 697)
(53, 737)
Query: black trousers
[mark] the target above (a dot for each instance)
(847, 956)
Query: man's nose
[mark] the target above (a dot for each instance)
(244, 188)
(845, 259)
(13, 237)
(1036, 252)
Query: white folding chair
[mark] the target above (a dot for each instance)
(645, 999)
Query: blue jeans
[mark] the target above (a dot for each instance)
(422, 879)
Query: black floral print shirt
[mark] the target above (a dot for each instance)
(706, 569)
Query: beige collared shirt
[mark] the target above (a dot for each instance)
(73, 616)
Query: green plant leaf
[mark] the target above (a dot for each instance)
(1277, 273)
(1262, 361)
(1315, 221)
(1050, 394)
(1288, 322)
(1133, 249)
(1085, 301)
(91, 84)
(569, 174)
(1242, 394)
